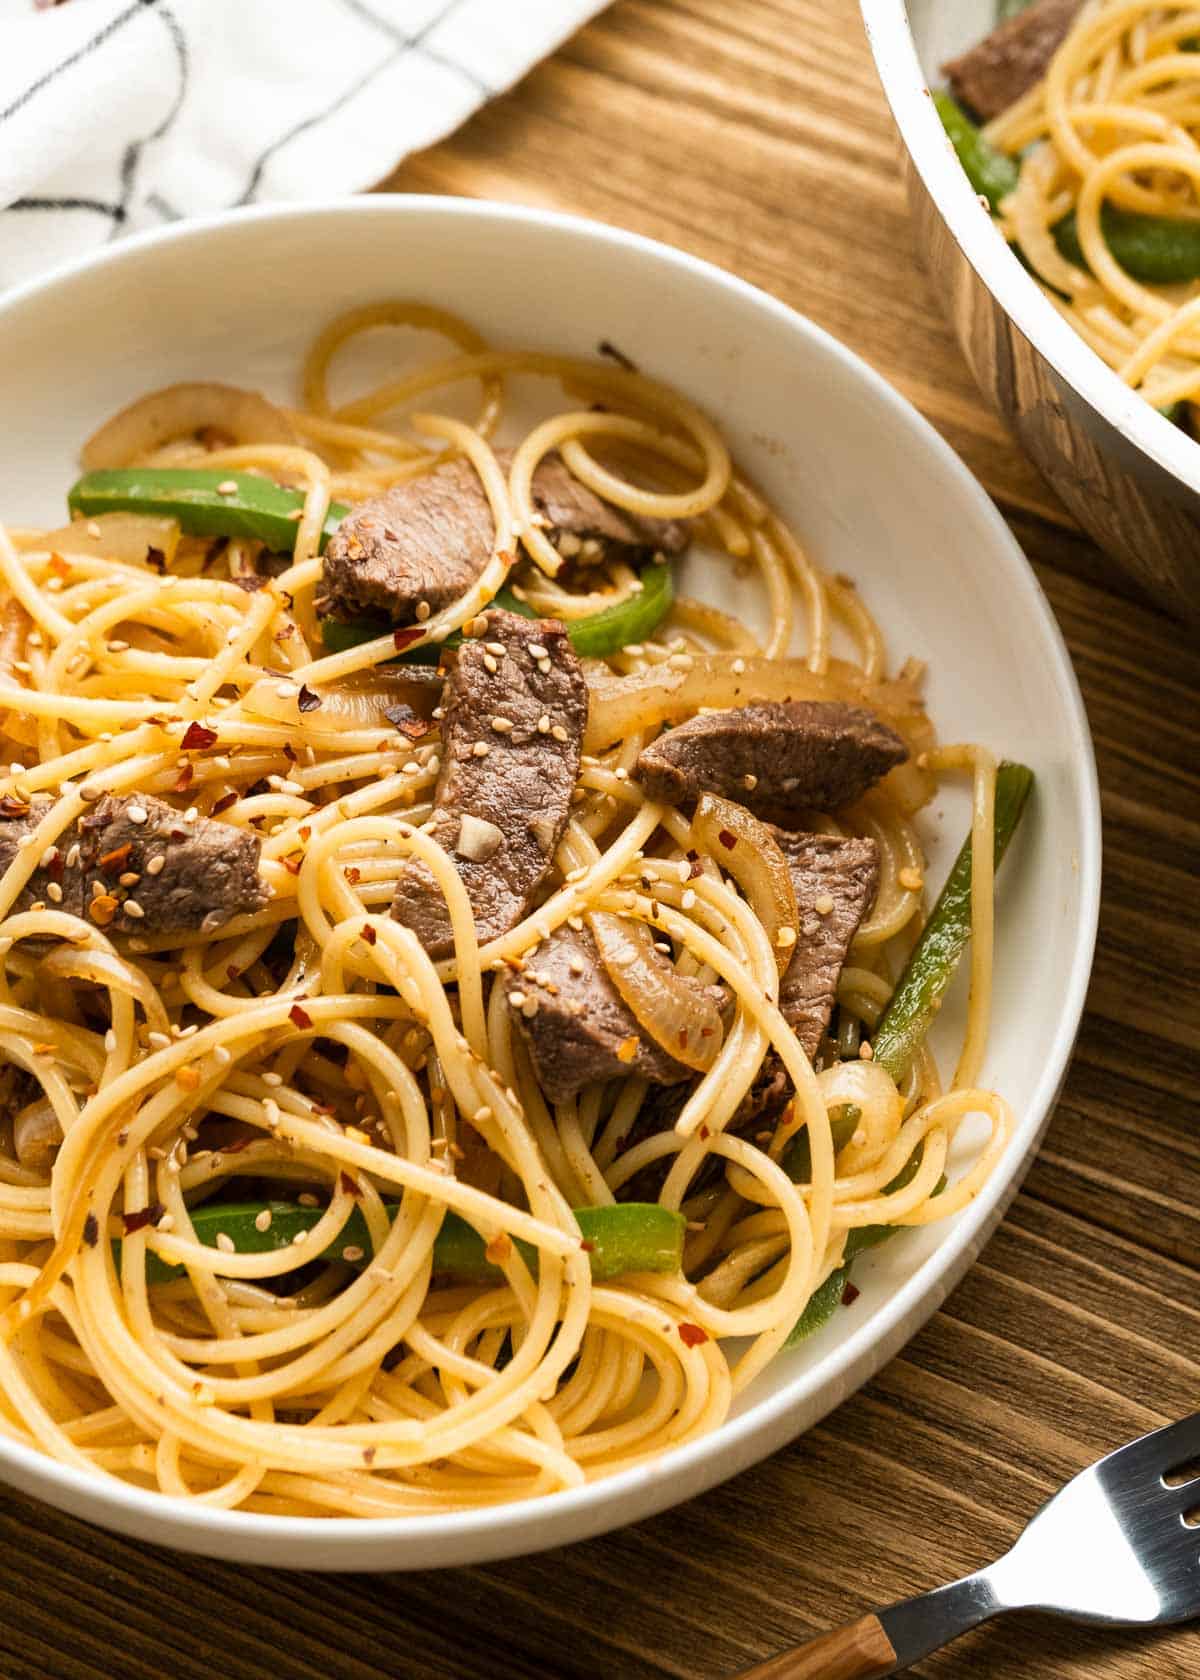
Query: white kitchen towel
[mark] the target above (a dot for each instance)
(117, 115)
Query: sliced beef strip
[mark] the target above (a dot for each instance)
(582, 1022)
(500, 811)
(777, 758)
(428, 540)
(993, 75)
(573, 510)
(208, 874)
(835, 882)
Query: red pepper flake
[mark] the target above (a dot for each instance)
(354, 876)
(232, 971)
(144, 1216)
(347, 1185)
(729, 841)
(56, 866)
(156, 560)
(500, 1248)
(91, 1230)
(249, 581)
(696, 869)
(402, 639)
(238, 1144)
(223, 804)
(293, 864)
(369, 934)
(13, 807)
(197, 736)
(299, 1017)
(691, 1335)
(704, 1131)
(59, 566)
(850, 1294)
(289, 752)
(628, 1048)
(369, 1455)
(683, 1038)
(185, 777)
(112, 863)
(588, 1246)
(407, 722)
(307, 700)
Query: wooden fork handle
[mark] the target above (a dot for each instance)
(861, 1651)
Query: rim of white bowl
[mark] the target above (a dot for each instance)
(1014, 288)
(647, 1485)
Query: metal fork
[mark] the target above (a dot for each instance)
(1119, 1545)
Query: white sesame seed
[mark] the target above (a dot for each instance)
(54, 892)
(688, 900)
(307, 1199)
(502, 725)
(517, 999)
(90, 791)
(537, 651)
(784, 937)
(352, 1252)
(824, 904)
(287, 690)
(223, 1054)
(680, 661)
(262, 1220)
(739, 667)
(225, 1242)
(749, 781)
(577, 966)
(273, 1079)
(158, 1041)
(490, 664)
(156, 865)
(131, 907)
(192, 812)
(481, 749)
(496, 649)
(110, 1041)
(73, 857)
(543, 724)
(166, 1222)
(93, 529)
(558, 732)
(271, 1113)
(529, 1008)
(227, 487)
(300, 1237)
(422, 612)
(137, 813)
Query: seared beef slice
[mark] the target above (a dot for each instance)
(776, 758)
(428, 540)
(515, 708)
(581, 1023)
(132, 854)
(835, 883)
(1005, 64)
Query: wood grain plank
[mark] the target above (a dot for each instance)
(755, 135)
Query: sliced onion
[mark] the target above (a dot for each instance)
(746, 849)
(359, 701)
(680, 1016)
(624, 706)
(36, 1134)
(116, 536)
(183, 411)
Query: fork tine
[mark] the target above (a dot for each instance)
(1156, 1454)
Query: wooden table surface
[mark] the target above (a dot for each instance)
(752, 132)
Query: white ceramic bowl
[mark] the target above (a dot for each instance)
(1130, 477)
(873, 491)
